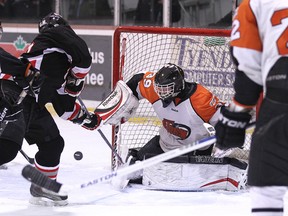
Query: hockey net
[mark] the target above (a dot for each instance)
(202, 53)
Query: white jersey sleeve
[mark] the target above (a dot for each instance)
(251, 32)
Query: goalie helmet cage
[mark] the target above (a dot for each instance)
(204, 56)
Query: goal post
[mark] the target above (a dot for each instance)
(203, 54)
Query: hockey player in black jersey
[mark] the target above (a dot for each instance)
(52, 71)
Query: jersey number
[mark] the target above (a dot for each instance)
(278, 16)
(282, 42)
(148, 82)
(235, 34)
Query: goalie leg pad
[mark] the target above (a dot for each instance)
(195, 177)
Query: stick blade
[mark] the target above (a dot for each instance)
(36, 177)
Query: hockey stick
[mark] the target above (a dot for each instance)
(29, 159)
(100, 132)
(19, 100)
(38, 178)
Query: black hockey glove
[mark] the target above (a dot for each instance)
(37, 83)
(31, 81)
(92, 122)
(89, 122)
(73, 85)
(9, 112)
(231, 128)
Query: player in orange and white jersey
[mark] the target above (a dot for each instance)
(181, 106)
(259, 45)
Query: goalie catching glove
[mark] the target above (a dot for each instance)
(231, 128)
(89, 121)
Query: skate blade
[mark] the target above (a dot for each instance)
(3, 167)
(42, 201)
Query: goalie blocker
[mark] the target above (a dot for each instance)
(118, 106)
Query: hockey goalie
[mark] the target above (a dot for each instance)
(182, 108)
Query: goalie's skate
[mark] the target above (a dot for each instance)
(120, 183)
(41, 196)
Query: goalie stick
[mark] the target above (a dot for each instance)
(38, 178)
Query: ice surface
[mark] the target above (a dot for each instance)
(103, 199)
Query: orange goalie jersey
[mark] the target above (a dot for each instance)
(182, 120)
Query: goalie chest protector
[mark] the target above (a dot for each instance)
(182, 120)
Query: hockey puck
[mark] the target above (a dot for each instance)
(78, 155)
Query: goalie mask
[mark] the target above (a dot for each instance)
(169, 82)
(1, 30)
(50, 21)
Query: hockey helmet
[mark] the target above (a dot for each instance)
(1, 30)
(169, 82)
(50, 21)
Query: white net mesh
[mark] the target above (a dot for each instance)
(204, 59)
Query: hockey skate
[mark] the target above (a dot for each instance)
(3, 167)
(41, 196)
(121, 183)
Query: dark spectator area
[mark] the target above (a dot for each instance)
(184, 13)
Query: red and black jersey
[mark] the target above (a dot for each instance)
(54, 52)
(10, 65)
